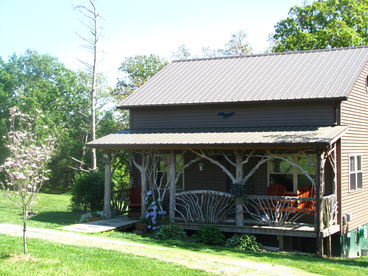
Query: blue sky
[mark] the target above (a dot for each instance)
(132, 27)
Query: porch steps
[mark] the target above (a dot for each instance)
(104, 225)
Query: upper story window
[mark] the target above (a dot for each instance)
(355, 172)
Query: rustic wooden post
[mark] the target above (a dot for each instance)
(172, 176)
(320, 180)
(107, 186)
(143, 170)
(239, 216)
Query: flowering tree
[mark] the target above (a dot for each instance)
(25, 168)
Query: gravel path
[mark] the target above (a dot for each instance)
(223, 265)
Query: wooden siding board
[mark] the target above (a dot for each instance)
(354, 113)
(245, 116)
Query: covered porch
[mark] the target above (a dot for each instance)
(276, 181)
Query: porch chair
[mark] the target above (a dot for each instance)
(134, 201)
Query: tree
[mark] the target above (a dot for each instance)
(137, 70)
(323, 24)
(25, 167)
(39, 82)
(236, 46)
(92, 17)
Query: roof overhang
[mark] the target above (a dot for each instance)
(225, 137)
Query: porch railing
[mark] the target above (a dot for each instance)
(278, 210)
(203, 206)
(329, 211)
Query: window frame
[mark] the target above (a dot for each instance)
(356, 171)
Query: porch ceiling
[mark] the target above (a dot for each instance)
(152, 138)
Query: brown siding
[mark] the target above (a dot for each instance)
(211, 178)
(354, 113)
(251, 115)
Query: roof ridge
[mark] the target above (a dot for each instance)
(271, 54)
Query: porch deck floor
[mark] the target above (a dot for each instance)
(102, 225)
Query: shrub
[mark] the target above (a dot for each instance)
(209, 235)
(243, 242)
(88, 191)
(169, 232)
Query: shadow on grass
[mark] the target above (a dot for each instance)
(61, 218)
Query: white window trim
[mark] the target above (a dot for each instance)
(356, 171)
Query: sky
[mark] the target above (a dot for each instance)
(135, 27)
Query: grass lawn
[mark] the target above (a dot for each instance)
(307, 262)
(55, 259)
(52, 211)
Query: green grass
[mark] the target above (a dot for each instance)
(52, 211)
(306, 262)
(55, 259)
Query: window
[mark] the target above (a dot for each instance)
(355, 172)
(283, 173)
(163, 163)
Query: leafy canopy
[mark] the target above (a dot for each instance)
(323, 24)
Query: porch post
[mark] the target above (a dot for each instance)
(172, 175)
(143, 169)
(320, 181)
(107, 187)
(239, 216)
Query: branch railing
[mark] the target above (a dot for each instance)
(203, 206)
(329, 211)
(213, 207)
(278, 210)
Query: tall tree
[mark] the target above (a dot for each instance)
(92, 17)
(323, 24)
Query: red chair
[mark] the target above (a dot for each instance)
(276, 190)
(134, 201)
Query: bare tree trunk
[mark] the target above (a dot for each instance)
(92, 15)
(93, 90)
(25, 250)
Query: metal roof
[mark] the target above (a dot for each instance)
(321, 74)
(225, 136)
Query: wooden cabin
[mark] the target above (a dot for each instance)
(274, 145)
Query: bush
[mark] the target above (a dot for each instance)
(169, 232)
(209, 235)
(88, 191)
(243, 242)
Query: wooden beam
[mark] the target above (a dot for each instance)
(172, 188)
(107, 186)
(320, 181)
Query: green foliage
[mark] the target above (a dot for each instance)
(39, 84)
(323, 24)
(88, 191)
(169, 232)
(137, 70)
(209, 235)
(243, 242)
